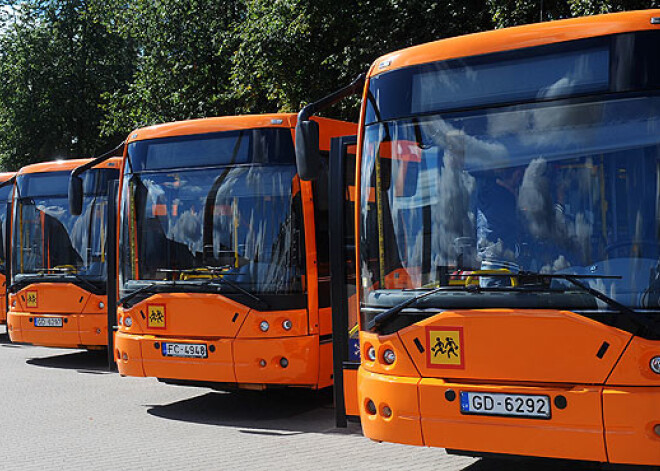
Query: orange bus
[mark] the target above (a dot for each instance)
(508, 242)
(6, 186)
(58, 268)
(223, 258)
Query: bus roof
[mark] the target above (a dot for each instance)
(516, 38)
(4, 176)
(226, 123)
(59, 165)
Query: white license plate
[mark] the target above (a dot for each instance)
(184, 350)
(515, 405)
(48, 322)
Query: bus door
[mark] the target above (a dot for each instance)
(346, 354)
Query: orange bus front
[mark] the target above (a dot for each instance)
(220, 279)
(58, 269)
(509, 260)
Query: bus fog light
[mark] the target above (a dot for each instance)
(262, 363)
(124, 356)
(371, 354)
(386, 412)
(263, 326)
(101, 305)
(371, 407)
(287, 324)
(128, 321)
(655, 364)
(389, 356)
(284, 362)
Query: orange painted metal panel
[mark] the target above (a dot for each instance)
(540, 346)
(302, 354)
(93, 329)
(129, 364)
(61, 165)
(630, 415)
(515, 38)
(23, 330)
(325, 365)
(402, 366)
(190, 315)
(54, 298)
(400, 395)
(217, 367)
(575, 432)
(633, 369)
(351, 401)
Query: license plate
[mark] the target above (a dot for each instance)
(515, 405)
(184, 350)
(48, 322)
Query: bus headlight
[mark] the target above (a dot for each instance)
(371, 353)
(263, 326)
(287, 324)
(389, 356)
(128, 321)
(655, 364)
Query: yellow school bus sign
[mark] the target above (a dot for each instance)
(31, 299)
(445, 347)
(156, 316)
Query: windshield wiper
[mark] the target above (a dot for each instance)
(636, 317)
(144, 289)
(50, 272)
(219, 276)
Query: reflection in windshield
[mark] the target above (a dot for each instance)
(47, 238)
(5, 195)
(244, 220)
(569, 188)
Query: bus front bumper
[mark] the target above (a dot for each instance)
(427, 411)
(290, 361)
(75, 331)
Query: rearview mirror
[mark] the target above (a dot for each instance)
(308, 157)
(75, 195)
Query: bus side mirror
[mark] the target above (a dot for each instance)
(308, 156)
(75, 195)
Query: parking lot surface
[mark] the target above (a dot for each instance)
(63, 409)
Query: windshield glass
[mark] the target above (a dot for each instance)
(47, 238)
(5, 196)
(570, 187)
(238, 217)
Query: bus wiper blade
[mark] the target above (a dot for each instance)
(219, 274)
(68, 271)
(383, 317)
(144, 289)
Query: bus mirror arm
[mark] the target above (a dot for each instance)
(76, 183)
(308, 158)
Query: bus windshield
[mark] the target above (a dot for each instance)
(5, 196)
(564, 187)
(224, 205)
(48, 240)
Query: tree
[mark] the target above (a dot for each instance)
(295, 51)
(184, 50)
(55, 63)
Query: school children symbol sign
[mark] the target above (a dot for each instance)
(445, 347)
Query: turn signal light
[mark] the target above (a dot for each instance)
(655, 364)
(389, 356)
(371, 353)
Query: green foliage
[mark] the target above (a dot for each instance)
(183, 68)
(55, 62)
(77, 75)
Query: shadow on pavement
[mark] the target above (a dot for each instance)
(275, 413)
(541, 464)
(92, 362)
